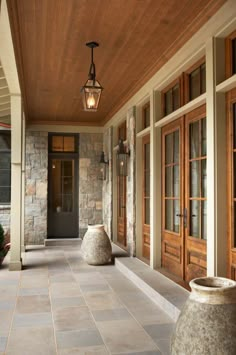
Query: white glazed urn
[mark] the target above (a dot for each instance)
(96, 246)
(207, 322)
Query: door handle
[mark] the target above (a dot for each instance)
(179, 215)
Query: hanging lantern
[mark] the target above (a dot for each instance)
(92, 89)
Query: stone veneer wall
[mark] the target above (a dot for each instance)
(5, 217)
(131, 183)
(107, 184)
(90, 187)
(36, 182)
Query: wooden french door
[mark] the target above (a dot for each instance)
(231, 186)
(146, 198)
(184, 195)
(121, 235)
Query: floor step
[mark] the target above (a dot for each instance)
(59, 242)
(164, 292)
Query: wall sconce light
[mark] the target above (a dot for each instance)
(103, 163)
(122, 159)
(92, 89)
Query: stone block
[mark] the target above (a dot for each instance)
(99, 205)
(91, 204)
(33, 210)
(41, 189)
(30, 187)
(84, 162)
(83, 173)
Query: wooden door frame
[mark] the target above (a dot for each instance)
(172, 127)
(145, 227)
(191, 117)
(231, 262)
(63, 156)
(124, 246)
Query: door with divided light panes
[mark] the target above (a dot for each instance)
(231, 186)
(63, 186)
(184, 196)
(146, 198)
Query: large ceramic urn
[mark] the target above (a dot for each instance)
(96, 245)
(207, 322)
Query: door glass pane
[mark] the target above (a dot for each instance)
(62, 185)
(168, 102)
(147, 156)
(147, 211)
(194, 179)
(204, 220)
(5, 194)
(194, 84)
(5, 177)
(234, 175)
(203, 138)
(168, 181)
(234, 56)
(234, 126)
(57, 143)
(169, 215)
(168, 148)
(176, 218)
(146, 117)
(69, 144)
(195, 218)
(176, 146)
(176, 181)
(5, 141)
(204, 178)
(234, 239)
(194, 139)
(5, 161)
(147, 184)
(176, 97)
(203, 78)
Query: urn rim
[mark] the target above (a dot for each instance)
(95, 226)
(213, 284)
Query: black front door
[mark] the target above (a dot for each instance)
(63, 195)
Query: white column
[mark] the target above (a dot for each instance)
(23, 187)
(216, 169)
(155, 183)
(16, 182)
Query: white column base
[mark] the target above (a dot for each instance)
(15, 266)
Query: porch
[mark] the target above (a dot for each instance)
(60, 305)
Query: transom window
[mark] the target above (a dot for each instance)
(5, 167)
(146, 116)
(230, 55)
(62, 144)
(171, 97)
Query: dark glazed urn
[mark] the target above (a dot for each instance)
(207, 322)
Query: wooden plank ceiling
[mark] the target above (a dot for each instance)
(136, 38)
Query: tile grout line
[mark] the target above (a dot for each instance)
(130, 312)
(53, 324)
(13, 313)
(91, 312)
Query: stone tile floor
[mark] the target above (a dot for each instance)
(60, 305)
